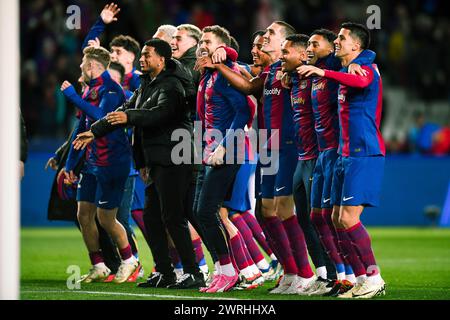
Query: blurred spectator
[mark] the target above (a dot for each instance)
(428, 138)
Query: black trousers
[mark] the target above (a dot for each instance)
(302, 198)
(167, 201)
(217, 185)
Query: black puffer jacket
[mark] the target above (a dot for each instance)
(156, 109)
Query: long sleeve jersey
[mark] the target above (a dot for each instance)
(221, 107)
(360, 107)
(102, 96)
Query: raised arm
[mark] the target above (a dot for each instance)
(107, 16)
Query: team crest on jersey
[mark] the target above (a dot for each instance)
(94, 94)
(303, 84)
(341, 97)
(279, 75)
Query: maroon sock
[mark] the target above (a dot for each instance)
(281, 242)
(138, 217)
(298, 246)
(126, 252)
(270, 241)
(327, 214)
(197, 244)
(326, 236)
(238, 252)
(350, 253)
(247, 254)
(96, 257)
(361, 242)
(257, 231)
(175, 257)
(247, 236)
(225, 259)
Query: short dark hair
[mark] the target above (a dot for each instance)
(234, 44)
(328, 35)
(300, 40)
(119, 68)
(162, 48)
(256, 34)
(359, 31)
(128, 43)
(288, 29)
(219, 32)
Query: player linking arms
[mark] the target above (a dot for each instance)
(359, 169)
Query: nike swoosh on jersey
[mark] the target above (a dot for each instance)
(326, 200)
(102, 202)
(278, 189)
(345, 199)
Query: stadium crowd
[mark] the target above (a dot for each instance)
(48, 47)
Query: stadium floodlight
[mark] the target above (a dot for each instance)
(9, 144)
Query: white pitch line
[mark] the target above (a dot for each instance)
(129, 294)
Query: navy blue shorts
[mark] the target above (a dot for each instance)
(280, 183)
(357, 181)
(103, 186)
(240, 197)
(322, 179)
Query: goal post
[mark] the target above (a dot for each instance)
(9, 154)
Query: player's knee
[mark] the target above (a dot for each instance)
(346, 220)
(106, 221)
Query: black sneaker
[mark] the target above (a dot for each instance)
(158, 280)
(189, 281)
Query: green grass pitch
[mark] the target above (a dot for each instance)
(415, 264)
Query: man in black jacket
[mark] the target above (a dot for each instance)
(156, 110)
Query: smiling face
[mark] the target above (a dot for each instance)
(273, 38)
(292, 56)
(345, 44)
(150, 60)
(318, 47)
(209, 42)
(181, 42)
(260, 58)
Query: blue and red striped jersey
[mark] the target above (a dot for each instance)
(103, 96)
(221, 107)
(276, 110)
(324, 103)
(306, 138)
(360, 108)
(131, 81)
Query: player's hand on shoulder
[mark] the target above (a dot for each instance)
(219, 56)
(109, 13)
(355, 68)
(308, 71)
